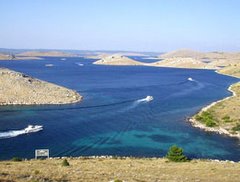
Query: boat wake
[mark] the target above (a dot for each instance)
(137, 102)
(15, 133)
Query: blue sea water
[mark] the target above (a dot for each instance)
(110, 120)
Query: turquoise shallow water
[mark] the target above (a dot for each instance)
(111, 120)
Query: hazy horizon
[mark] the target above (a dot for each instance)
(139, 26)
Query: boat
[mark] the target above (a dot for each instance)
(31, 128)
(190, 79)
(80, 64)
(48, 65)
(148, 98)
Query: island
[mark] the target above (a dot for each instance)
(20, 89)
(117, 59)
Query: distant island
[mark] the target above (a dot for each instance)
(32, 55)
(20, 89)
(225, 62)
(117, 59)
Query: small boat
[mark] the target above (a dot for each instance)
(31, 128)
(48, 65)
(63, 59)
(190, 79)
(80, 64)
(148, 98)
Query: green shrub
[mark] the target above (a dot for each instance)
(36, 172)
(227, 119)
(210, 123)
(65, 163)
(16, 159)
(118, 180)
(237, 127)
(206, 118)
(198, 117)
(175, 154)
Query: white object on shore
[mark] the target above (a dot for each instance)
(190, 79)
(48, 65)
(31, 128)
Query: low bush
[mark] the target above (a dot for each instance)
(237, 127)
(227, 119)
(175, 154)
(65, 163)
(16, 159)
(118, 180)
(206, 118)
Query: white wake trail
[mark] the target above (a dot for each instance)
(15, 133)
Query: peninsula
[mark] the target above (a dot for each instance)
(20, 89)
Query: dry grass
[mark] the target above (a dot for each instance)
(123, 169)
(229, 107)
(232, 70)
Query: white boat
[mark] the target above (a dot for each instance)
(148, 98)
(80, 64)
(31, 128)
(48, 65)
(190, 79)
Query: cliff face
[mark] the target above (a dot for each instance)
(17, 88)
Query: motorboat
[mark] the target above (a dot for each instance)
(48, 65)
(80, 64)
(31, 128)
(190, 79)
(148, 98)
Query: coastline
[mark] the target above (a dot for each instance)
(197, 124)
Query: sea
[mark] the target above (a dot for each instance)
(113, 118)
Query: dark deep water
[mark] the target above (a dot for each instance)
(122, 125)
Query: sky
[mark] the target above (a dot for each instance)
(131, 25)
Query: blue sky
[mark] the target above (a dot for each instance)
(137, 25)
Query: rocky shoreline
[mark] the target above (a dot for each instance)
(20, 89)
(219, 130)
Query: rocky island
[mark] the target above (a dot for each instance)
(20, 89)
(117, 59)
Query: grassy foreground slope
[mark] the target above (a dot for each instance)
(123, 169)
